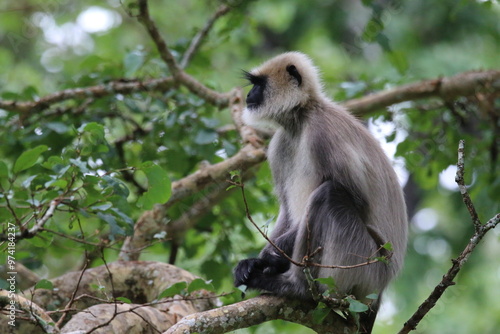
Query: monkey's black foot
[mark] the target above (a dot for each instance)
(247, 270)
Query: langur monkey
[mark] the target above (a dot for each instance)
(336, 187)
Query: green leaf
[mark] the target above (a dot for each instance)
(388, 246)
(58, 127)
(399, 61)
(44, 284)
(372, 30)
(211, 123)
(382, 259)
(115, 185)
(132, 62)
(205, 136)
(4, 170)
(26, 183)
(200, 284)
(96, 129)
(178, 288)
(114, 229)
(29, 93)
(29, 158)
(159, 187)
(243, 288)
(328, 281)
(356, 306)
(124, 300)
(319, 314)
(57, 183)
(373, 296)
(383, 41)
(102, 207)
(41, 240)
(81, 165)
(54, 163)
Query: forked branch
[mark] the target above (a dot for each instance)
(457, 264)
(179, 75)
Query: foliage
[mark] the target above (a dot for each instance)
(90, 167)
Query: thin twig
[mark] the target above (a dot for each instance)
(48, 214)
(72, 299)
(113, 294)
(459, 179)
(200, 36)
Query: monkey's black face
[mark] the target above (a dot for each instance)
(256, 95)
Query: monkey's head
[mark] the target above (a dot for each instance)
(282, 88)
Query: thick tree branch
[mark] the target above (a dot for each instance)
(139, 281)
(447, 281)
(447, 88)
(256, 311)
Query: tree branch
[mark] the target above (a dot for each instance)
(459, 179)
(113, 87)
(458, 263)
(40, 222)
(200, 36)
(448, 88)
(256, 311)
(215, 98)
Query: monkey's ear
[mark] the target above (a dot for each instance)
(292, 70)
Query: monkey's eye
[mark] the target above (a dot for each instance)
(292, 70)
